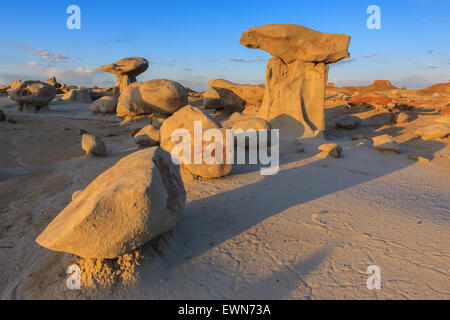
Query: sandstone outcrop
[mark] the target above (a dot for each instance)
(31, 94)
(139, 198)
(297, 74)
(246, 94)
(126, 70)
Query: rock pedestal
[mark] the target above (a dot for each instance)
(297, 74)
(126, 70)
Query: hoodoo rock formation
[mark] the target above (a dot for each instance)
(297, 74)
(126, 70)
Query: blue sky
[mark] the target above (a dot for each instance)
(195, 41)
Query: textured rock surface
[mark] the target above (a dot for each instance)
(139, 198)
(159, 95)
(126, 70)
(295, 91)
(184, 119)
(31, 94)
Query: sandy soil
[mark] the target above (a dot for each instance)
(309, 232)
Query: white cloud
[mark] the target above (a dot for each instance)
(32, 64)
(43, 54)
(246, 60)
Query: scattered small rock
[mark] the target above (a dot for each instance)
(2, 115)
(386, 143)
(147, 137)
(332, 149)
(418, 158)
(11, 120)
(93, 145)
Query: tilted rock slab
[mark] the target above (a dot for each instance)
(297, 74)
(139, 198)
(126, 70)
(250, 94)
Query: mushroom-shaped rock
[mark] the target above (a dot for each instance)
(139, 198)
(297, 74)
(292, 42)
(126, 70)
(32, 94)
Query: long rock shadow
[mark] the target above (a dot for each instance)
(221, 217)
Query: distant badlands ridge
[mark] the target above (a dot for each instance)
(386, 85)
(377, 85)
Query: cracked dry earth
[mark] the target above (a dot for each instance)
(309, 232)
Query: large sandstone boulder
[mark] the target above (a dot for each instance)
(159, 95)
(126, 70)
(297, 74)
(184, 119)
(31, 94)
(250, 94)
(104, 105)
(139, 198)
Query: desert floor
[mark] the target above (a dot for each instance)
(309, 232)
